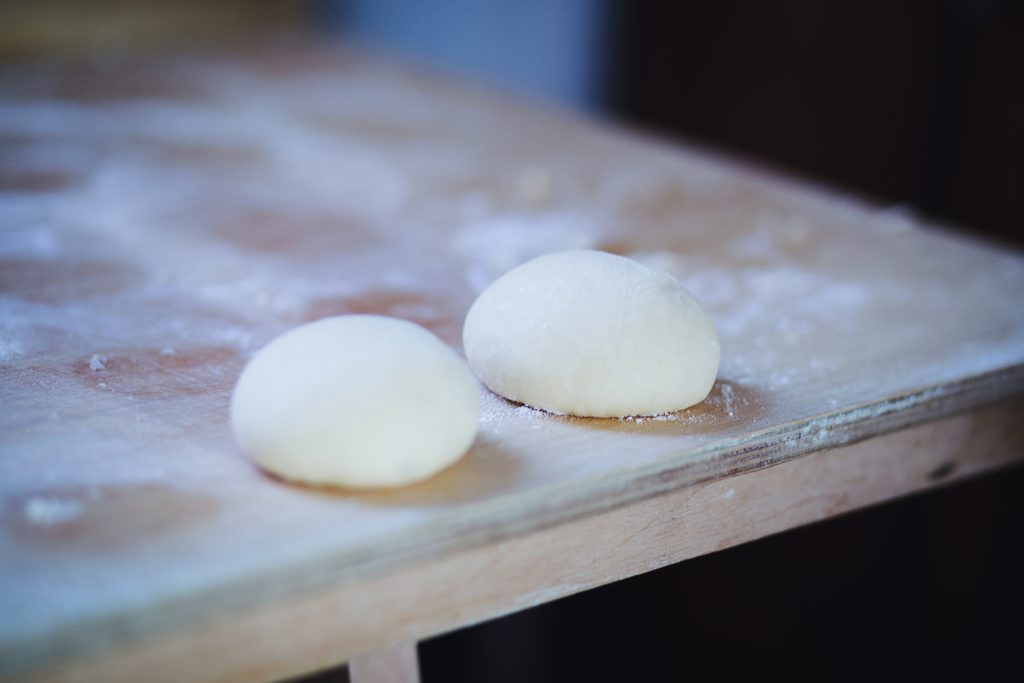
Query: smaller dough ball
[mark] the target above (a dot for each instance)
(359, 401)
(592, 334)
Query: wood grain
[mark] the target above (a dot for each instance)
(164, 217)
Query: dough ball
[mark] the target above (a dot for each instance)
(356, 401)
(592, 334)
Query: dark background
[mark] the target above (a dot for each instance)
(916, 102)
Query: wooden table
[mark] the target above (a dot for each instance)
(163, 218)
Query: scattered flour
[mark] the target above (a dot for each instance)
(664, 417)
(495, 246)
(10, 348)
(237, 338)
(895, 221)
(728, 397)
(48, 510)
(536, 184)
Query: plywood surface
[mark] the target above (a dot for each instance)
(162, 219)
(350, 621)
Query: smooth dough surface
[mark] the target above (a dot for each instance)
(593, 334)
(356, 401)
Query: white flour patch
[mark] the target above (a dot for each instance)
(495, 246)
(47, 510)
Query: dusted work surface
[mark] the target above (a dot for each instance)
(163, 219)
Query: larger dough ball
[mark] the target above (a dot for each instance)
(356, 401)
(592, 334)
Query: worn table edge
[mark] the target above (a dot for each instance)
(535, 511)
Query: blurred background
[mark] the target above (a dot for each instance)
(916, 103)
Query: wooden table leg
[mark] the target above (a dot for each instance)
(398, 664)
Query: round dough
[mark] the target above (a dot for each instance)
(592, 334)
(356, 401)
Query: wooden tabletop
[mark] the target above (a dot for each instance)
(163, 218)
